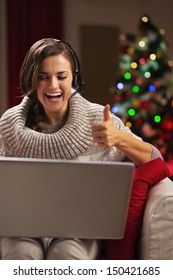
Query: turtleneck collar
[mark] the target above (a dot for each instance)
(73, 139)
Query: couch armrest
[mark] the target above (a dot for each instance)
(156, 239)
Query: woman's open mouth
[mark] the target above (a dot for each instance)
(54, 95)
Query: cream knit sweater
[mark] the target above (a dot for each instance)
(72, 141)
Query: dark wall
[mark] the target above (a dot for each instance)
(99, 60)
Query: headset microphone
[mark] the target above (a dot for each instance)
(81, 87)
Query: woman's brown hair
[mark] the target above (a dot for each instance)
(29, 74)
(43, 48)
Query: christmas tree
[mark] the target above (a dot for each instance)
(143, 91)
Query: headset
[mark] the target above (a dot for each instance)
(78, 84)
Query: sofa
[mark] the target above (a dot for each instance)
(149, 226)
(156, 235)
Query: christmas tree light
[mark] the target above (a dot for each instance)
(143, 92)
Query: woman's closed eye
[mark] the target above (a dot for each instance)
(45, 77)
(62, 77)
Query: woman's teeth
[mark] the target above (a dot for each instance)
(53, 95)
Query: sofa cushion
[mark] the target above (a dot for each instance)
(155, 239)
(145, 176)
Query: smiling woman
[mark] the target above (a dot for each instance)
(54, 88)
(53, 121)
(53, 75)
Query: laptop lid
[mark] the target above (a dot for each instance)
(59, 198)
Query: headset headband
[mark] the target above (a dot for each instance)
(77, 83)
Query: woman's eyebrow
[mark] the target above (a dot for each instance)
(61, 72)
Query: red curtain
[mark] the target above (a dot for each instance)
(27, 22)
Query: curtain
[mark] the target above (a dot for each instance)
(3, 57)
(29, 21)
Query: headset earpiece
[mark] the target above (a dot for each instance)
(77, 80)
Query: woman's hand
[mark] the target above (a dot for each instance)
(105, 134)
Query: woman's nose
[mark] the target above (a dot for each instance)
(54, 83)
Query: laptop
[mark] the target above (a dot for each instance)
(64, 198)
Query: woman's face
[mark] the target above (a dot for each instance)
(54, 87)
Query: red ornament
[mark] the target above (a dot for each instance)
(167, 124)
(145, 105)
(118, 98)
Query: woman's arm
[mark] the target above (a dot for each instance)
(107, 135)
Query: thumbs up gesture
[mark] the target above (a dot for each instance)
(105, 133)
(106, 113)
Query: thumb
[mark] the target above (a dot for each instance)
(106, 113)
